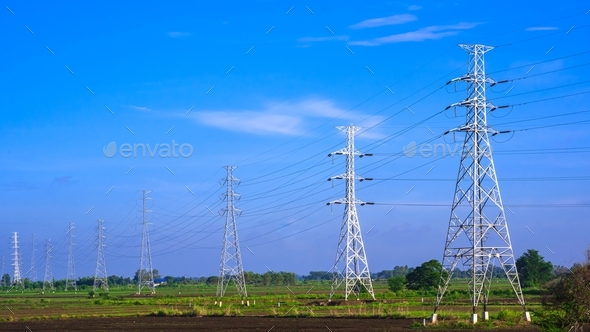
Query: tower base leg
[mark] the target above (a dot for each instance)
(527, 316)
(433, 318)
(473, 318)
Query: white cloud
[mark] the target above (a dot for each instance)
(285, 118)
(429, 33)
(178, 34)
(321, 39)
(541, 28)
(140, 108)
(381, 21)
(415, 7)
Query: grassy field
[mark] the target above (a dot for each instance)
(302, 300)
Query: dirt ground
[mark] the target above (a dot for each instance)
(223, 324)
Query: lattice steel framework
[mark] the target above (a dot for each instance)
(71, 271)
(231, 259)
(2, 280)
(33, 268)
(145, 275)
(100, 272)
(17, 279)
(478, 232)
(351, 250)
(48, 276)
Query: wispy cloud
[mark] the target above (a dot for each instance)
(17, 185)
(381, 21)
(64, 180)
(140, 108)
(415, 7)
(429, 33)
(541, 28)
(178, 34)
(321, 39)
(285, 118)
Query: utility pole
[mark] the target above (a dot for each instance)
(71, 272)
(351, 249)
(16, 258)
(145, 274)
(100, 272)
(478, 232)
(48, 278)
(231, 259)
(33, 268)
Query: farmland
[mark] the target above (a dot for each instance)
(303, 307)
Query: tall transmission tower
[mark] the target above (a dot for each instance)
(351, 249)
(48, 278)
(100, 272)
(71, 271)
(231, 259)
(2, 281)
(145, 275)
(33, 268)
(17, 260)
(478, 232)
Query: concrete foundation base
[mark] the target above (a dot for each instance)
(527, 316)
(433, 318)
(473, 318)
(486, 315)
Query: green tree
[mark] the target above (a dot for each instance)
(533, 270)
(6, 279)
(396, 284)
(425, 276)
(567, 300)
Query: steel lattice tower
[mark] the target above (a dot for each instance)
(48, 277)
(100, 272)
(71, 271)
(17, 260)
(478, 232)
(2, 281)
(145, 275)
(33, 268)
(351, 250)
(231, 259)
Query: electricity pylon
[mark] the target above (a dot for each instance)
(478, 232)
(71, 271)
(2, 281)
(231, 259)
(17, 259)
(33, 268)
(100, 272)
(145, 275)
(48, 277)
(351, 249)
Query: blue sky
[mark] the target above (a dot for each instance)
(262, 85)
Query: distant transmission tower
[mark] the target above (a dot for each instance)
(33, 268)
(48, 278)
(2, 281)
(100, 272)
(231, 259)
(351, 250)
(145, 275)
(478, 232)
(16, 258)
(71, 271)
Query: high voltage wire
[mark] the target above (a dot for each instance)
(272, 192)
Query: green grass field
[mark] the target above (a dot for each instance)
(308, 299)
